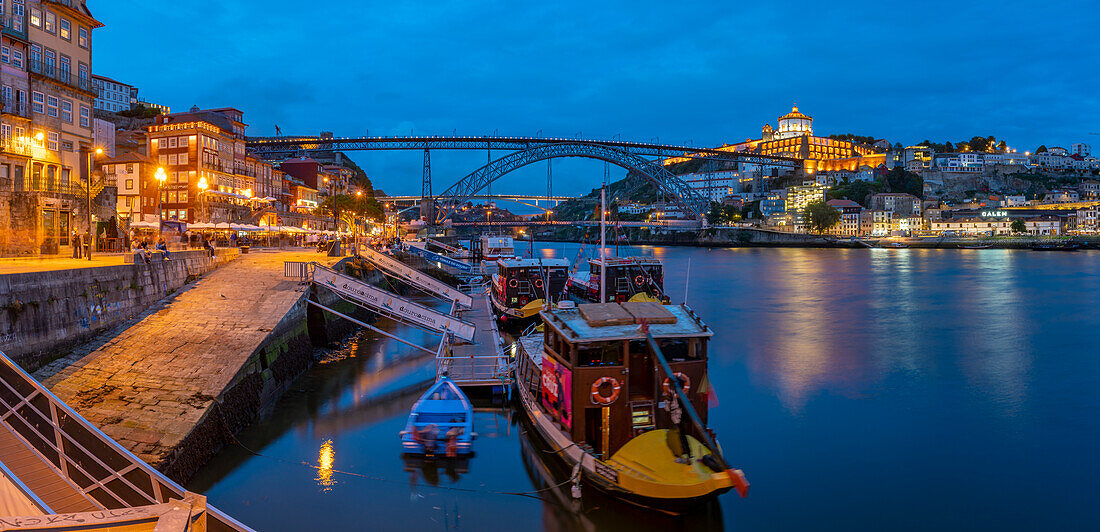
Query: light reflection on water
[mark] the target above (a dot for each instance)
(869, 389)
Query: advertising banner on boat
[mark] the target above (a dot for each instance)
(557, 391)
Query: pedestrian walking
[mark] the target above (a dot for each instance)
(74, 241)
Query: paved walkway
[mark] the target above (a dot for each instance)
(150, 385)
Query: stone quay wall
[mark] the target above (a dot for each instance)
(44, 314)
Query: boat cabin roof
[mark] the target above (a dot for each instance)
(621, 321)
(625, 261)
(533, 263)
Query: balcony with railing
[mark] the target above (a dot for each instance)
(10, 106)
(15, 146)
(65, 77)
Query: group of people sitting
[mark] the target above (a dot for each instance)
(141, 250)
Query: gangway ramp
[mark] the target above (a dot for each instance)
(391, 305)
(420, 248)
(416, 277)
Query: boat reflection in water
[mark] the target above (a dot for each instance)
(596, 510)
(429, 468)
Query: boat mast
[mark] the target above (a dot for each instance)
(603, 243)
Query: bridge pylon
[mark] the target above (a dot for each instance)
(427, 203)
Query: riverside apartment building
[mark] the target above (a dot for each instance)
(46, 100)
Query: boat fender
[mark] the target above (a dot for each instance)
(683, 378)
(740, 483)
(538, 283)
(513, 283)
(639, 280)
(598, 398)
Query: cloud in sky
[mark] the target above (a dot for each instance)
(703, 73)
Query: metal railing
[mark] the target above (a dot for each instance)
(105, 473)
(299, 271)
(13, 107)
(51, 71)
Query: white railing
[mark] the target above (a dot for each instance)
(105, 472)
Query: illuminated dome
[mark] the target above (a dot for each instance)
(795, 124)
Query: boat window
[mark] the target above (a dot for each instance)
(676, 349)
(600, 354)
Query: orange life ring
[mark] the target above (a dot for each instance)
(538, 283)
(598, 398)
(513, 283)
(683, 378)
(639, 280)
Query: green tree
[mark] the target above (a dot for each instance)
(1002, 146)
(1018, 226)
(820, 216)
(1041, 149)
(857, 191)
(714, 214)
(351, 209)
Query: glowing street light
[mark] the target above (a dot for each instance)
(161, 178)
(203, 185)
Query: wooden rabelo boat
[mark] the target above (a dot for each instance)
(628, 279)
(619, 392)
(522, 287)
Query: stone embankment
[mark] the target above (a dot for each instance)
(43, 314)
(176, 386)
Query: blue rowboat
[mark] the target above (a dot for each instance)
(441, 422)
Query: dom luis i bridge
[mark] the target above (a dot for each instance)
(644, 158)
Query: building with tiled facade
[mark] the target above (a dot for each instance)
(46, 139)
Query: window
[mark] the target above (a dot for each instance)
(129, 184)
(5, 54)
(38, 102)
(17, 58)
(171, 197)
(51, 22)
(67, 111)
(83, 76)
(183, 196)
(65, 67)
(17, 11)
(83, 37)
(129, 168)
(52, 105)
(66, 29)
(161, 144)
(52, 141)
(171, 158)
(36, 58)
(5, 131)
(183, 158)
(183, 142)
(85, 116)
(171, 142)
(163, 159)
(183, 212)
(36, 17)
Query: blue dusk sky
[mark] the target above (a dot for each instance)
(681, 72)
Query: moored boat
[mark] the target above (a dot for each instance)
(1056, 246)
(495, 247)
(441, 422)
(628, 279)
(522, 287)
(620, 393)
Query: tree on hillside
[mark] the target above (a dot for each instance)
(857, 191)
(1002, 146)
(900, 180)
(820, 216)
(1018, 226)
(1041, 149)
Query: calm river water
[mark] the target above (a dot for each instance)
(868, 389)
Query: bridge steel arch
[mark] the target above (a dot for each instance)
(686, 198)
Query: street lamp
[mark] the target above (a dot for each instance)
(161, 178)
(203, 185)
(87, 193)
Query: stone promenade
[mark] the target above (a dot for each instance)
(152, 384)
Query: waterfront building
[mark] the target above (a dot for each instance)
(775, 203)
(716, 186)
(134, 175)
(918, 158)
(1080, 148)
(1062, 196)
(883, 222)
(113, 95)
(207, 170)
(1054, 159)
(973, 226)
(1014, 201)
(851, 215)
(46, 125)
(898, 202)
